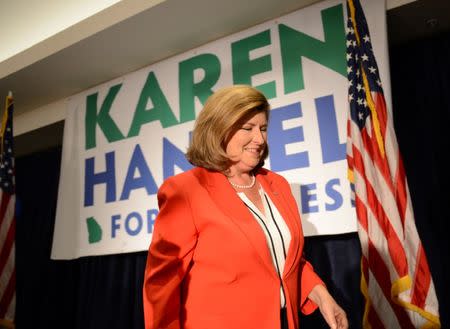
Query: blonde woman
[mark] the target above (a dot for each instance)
(227, 244)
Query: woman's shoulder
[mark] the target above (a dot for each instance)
(271, 175)
(182, 177)
(188, 178)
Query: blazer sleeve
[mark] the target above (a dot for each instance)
(308, 280)
(169, 255)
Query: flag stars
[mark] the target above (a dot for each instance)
(349, 69)
(360, 59)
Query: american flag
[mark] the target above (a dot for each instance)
(7, 219)
(395, 280)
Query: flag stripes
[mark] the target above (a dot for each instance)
(396, 280)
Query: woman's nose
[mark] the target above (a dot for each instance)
(258, 136)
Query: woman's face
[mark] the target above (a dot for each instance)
(247, 144)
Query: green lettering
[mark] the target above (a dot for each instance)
(330, 53)
(105, 122)
(189, 89)
(161, 110)
(244, 68)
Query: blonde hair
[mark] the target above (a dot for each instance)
(222, 115)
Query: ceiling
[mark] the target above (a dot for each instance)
(168, 28)
(162, 31)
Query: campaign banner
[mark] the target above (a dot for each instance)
(123, 138)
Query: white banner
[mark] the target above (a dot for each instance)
(124, 137)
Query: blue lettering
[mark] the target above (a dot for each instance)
(173, 156)
(107, 177)
(278, 138)
(133, 222)
(151, 216)
(114, 225)
(333, 194)
(138, 225)
(145, 178)
(332, 150)
(307, 195)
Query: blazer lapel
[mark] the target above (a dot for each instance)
(287, 212)
(232, 206)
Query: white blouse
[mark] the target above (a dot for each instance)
(276, 231)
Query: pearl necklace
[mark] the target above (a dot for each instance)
(244, 186)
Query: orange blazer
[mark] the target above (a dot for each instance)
(209, 266)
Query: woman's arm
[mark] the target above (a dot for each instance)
(170, 253)
(333, 314)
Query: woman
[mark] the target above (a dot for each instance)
(227, 243)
